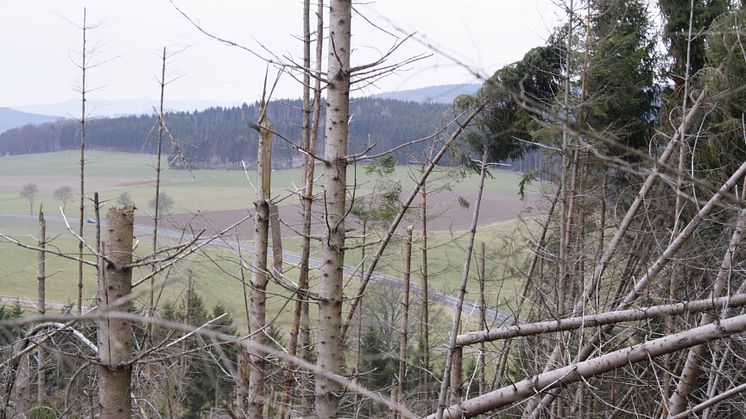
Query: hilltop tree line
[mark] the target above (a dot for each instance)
(221, 137)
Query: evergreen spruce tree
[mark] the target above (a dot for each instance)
(621, 75)
(676, 34)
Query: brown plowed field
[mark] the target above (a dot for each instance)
(444, 213)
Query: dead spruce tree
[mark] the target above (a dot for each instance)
(41, 277)
(311, 114)
(251, 397)
(81, 214)
(334, 195)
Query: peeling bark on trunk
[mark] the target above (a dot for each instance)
(115, 335)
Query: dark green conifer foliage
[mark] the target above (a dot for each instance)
(722, 149)
(206, 384)
(621, 78)
(676, 33)
(513, 94)
(382, 205)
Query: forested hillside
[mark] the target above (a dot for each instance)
(222, 137)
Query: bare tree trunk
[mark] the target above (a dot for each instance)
(358, 400)
(183, 364)
(425, 299)
(482, 319)
(404, 318)
(359, 356)
(81, 215)
(564, 215)
(97, 215)
(335, 188)
(678, 211)
(41, 276)
(242, 368)
(115, 335)
(259, 275)
(274, 224)
(303, 276)
(305, 333)
(455, 392)
(310, 135)
(455, 325)
(562, 281)
(157, 213)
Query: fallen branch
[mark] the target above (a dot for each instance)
(600, 319)
(582, 370)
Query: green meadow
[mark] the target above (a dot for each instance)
(215, 271)
(113, 174)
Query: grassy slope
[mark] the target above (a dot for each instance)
(112, 174)
(115, 173)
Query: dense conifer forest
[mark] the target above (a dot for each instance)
(222, 138)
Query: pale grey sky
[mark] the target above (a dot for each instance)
(39, 40)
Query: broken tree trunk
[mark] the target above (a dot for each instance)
(115, 335)
(259, 275)
(21, 391)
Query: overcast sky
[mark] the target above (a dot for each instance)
(40, 43)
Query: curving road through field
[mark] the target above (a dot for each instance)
(469, 307)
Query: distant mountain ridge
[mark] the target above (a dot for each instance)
(119, 107)
(12, 118)
(97, 108)
(444, 94)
